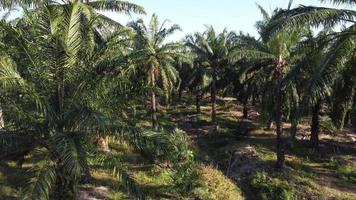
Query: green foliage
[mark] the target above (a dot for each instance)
(186, 178)
(345, 171)
(215, 186)
(342, 98)
(185, 175)
(271, 188)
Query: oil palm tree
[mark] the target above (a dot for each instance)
(278, 49)
(338, 55)
(185, 67)
(199, 82)
(49, 78)
(213, 51)
(155, 58)
(342, 97)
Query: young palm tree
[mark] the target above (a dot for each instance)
(199, 82)
(342, 97)
(184, 66)
(213, 51)
(155, 57)
(49, 74)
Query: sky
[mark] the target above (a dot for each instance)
(192, 15)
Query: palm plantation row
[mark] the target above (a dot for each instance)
(71, 78)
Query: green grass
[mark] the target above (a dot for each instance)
(345, 171)
(215, 186)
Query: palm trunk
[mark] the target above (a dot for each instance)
(180, 91)
(269, 124)
(60, 96)
(213, 98)
(279, 73)
(348, 117)
(314, 139)
(293, 130)
(103, 143)
(254, 100)
(245, 109)
(279, 129)
(2, 125)
(342, 101)
(153, 106)
(197, 103)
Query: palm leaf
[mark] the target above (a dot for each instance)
(116, 5)
(120, 172)
(305, 16)
(40, 187)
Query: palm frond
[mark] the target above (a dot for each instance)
(340, 2)
(250, 54)
(334, 60)
(305, 16)
(9, 76)
(120, 172)
(117, 6)
(15, 144)
(31, 3)
(69, 156)
(42, 184)
(263, 12)
(73, 35)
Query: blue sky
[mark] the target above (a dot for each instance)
(192, 15)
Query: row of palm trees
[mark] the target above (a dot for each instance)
(319, 60)
(289, 68)
(66, 71)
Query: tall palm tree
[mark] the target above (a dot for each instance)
(199, 82)
(312, 57)
(278, 49)
(341, 49)
(156, 57)
(213, 51)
